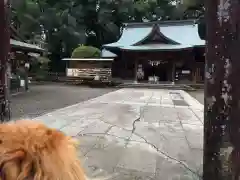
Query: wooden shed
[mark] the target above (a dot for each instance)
(89, 69)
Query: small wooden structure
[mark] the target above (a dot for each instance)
(89, 69)
(21, 53)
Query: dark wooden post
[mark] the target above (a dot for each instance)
(222, 91)
(124, 65)
(4, 56)
(173, 71)
(135, 68)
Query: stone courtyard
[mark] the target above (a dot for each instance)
(136, 134)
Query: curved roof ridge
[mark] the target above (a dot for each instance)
(131, 36)
(171, 22)
(156, 29)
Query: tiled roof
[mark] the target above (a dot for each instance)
(131, 36)
(185, 33)
(15, 43)
(106, 54)
(152, 47)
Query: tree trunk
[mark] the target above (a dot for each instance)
(222, 91)
(4, 56)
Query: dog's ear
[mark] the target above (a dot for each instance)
(59, 154)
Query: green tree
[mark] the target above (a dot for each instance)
(54, 21)
(189, 9)
(64, 24)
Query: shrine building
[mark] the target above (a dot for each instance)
(172, 51)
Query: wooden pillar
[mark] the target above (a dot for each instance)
(135, 58)
(194, 68)
(196, 76)
(173, 71)
(123, 65)
(4, 57)
(222, 91)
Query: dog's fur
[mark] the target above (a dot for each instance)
(32, 151)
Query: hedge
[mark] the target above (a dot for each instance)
(86, 52)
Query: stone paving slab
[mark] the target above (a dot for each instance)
(136, 134)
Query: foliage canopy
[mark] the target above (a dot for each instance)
(63, 24)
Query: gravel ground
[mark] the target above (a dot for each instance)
(42, 99)
(199, 95)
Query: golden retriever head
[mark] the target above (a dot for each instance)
(32, 151)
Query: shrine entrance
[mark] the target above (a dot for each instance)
(159, 69)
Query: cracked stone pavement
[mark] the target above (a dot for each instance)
(136, 134)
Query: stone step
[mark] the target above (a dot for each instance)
(156, 86)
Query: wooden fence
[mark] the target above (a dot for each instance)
(50, 76)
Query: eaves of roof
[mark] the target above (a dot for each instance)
(30, 47)
(157, 47)
(184, 33)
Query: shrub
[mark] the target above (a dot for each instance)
(39, 63)
(42, 68)
(86, 52)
